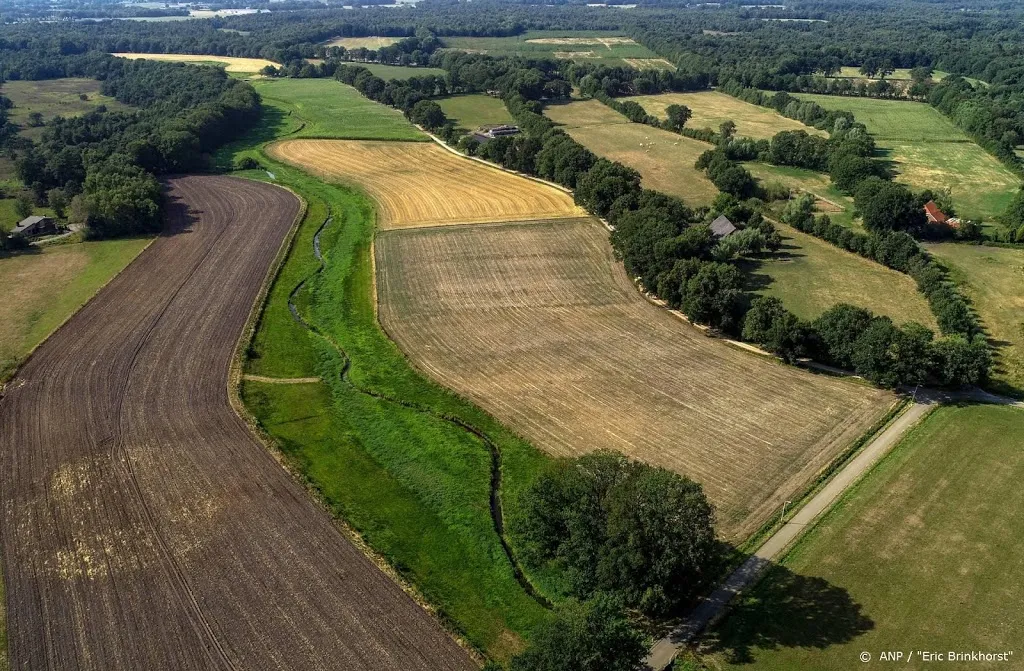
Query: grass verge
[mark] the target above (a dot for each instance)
(415, 487)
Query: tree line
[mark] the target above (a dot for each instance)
(104, 163)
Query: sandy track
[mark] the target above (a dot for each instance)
(143, 526)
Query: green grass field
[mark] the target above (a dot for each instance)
(45, 287)
(606, 47)
(388, 72)
(54, 97)
(810, 276)
(830, 200)
(993, 278)
(475, 110)
(928, 151)
(413, 485)
(664, 160)
(326, 108)
(711, 108)
(922, 554)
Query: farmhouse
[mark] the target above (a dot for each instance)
(722, 227)
(937, 217)
(34, 226)
(498, 131)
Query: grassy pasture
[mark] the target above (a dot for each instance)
(993, 278)
(830, 200)
(538, 324)
(389, 72)
(364, 42)
(922, 554)
(327, 108)
(711, 108)
(416, 489)
(54, 97)
(475, 110)
(229, 63)
(609, 47)
(664, 159)
(649, 63)
(928, 151)
(423, 184)
(45, 287)
(810, 276)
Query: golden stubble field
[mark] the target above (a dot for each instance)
(230, 63)
(422, 184)
(538, 324)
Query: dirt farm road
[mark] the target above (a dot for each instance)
(142, 525)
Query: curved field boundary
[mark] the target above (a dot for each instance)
(497, 512)
(419, 184)
(142, 524)
(539, 325)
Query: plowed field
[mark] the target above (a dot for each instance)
(537, 323)
(143, 526)
(422, 184)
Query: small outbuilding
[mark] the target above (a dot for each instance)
(31, 227)
(722, 227)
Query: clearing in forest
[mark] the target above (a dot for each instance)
(664, 160)
(810, 276)
(993, 277)
(711, 108)
(423, 184)
(55, 97)
(929, 152)
(649, 63)
(609, 48)
(922, 554)
(362, 42)
(539, 324)
(475, 110)
(229, 63)
(325, 108)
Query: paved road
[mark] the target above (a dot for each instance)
(665, 649)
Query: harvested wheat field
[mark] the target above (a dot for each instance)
(538, 324)
(230, 63)
(143, 525)
(422, 184)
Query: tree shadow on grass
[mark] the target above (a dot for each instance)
(786, 610)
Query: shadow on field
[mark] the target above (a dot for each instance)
(786, 610)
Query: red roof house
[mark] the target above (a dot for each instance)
(934, 214)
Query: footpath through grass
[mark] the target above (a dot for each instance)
(923, 554)
(416, 487)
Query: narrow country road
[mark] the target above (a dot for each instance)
(664, 650)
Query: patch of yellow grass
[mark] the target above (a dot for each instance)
(711, 108)
(649, 63)
(664, 160)
(367, 42)
(422, 184)
(230, 63)
(606, 42)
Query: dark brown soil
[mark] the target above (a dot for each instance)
(142, 524)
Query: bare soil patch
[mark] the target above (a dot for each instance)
(538, 324)
(421, 184)
(143, 525)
